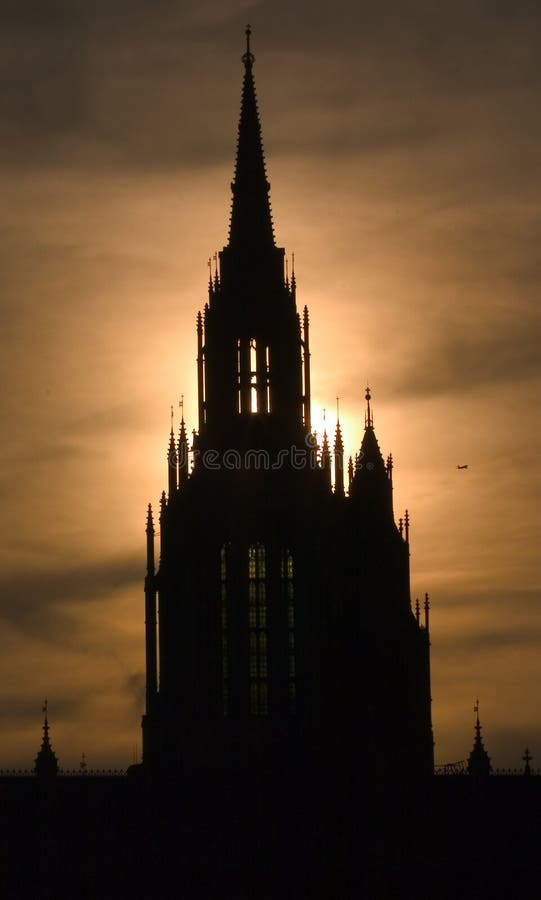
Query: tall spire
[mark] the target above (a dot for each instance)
(251, 222)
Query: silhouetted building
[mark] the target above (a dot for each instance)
(287, 737)
(285, 635)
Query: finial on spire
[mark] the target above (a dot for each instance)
(338, 410)
(350, 472)
(172, 417)
(368, 420)
(527, 760)
(181, 404)
(427, 613)
(477, 723)
(248, 57)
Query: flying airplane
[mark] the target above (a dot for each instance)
(462, 467)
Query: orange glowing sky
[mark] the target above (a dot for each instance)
(402, 147)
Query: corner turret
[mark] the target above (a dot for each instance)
(371, 486)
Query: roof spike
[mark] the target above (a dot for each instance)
(248, 58)
(368, 419)
(338, 442)
(427, 613)
(150, 520)
(182, 450)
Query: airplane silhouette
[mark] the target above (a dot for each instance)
(462, 467)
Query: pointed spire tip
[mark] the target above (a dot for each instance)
(248, 58)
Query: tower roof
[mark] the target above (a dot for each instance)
(251, 221)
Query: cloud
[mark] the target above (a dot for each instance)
(43, 603)
(467, 358)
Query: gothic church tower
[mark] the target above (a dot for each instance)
(285, 635)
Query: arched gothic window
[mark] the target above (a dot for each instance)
(288, 597)
(257, 629)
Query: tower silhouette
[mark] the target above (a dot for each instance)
(285, 637)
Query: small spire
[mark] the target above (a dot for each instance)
(293, 279)
(427, 613)
(326, 456)
(150, 521)
(479, 761)
(477, 722)
(368, 420)
(46, 763)
(172, 461)
(338, 458)
(350, 472)
(83, 765)
(527, 758)
(418, 611)
(401, 526)
(183, 450)
(407, 526)
(338, 441)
